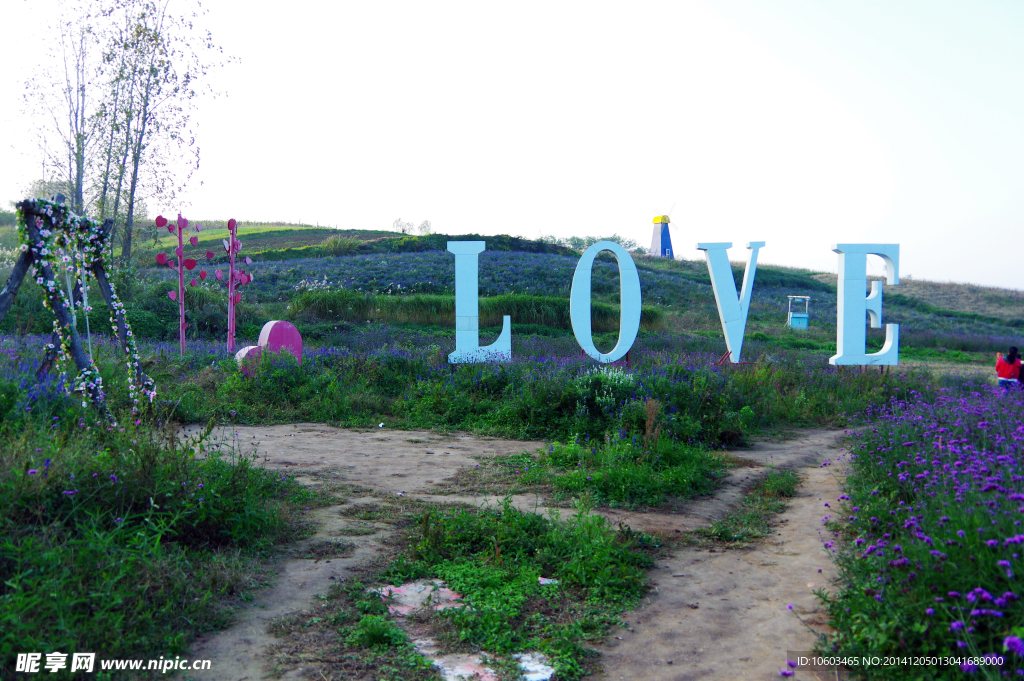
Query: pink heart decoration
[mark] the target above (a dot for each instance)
(170, 228)
(248, 260)
(161, 258)
(193, 282)
(238, 298)
(190, 264)
(225, 242)
(202, 275)
(182, 222)
(247, 358)
(177, 251)
(171, 264)
(278, 336)
(194, 240)
(219, 275)
(232, 224)
(173, 295)
(161, 221)
(209, 255)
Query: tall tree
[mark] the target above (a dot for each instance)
(119, 91)
(62, 96)
(159, 62)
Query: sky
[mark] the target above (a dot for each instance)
(795, 122)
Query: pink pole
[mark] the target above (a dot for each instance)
(232, 229)
(181, 283)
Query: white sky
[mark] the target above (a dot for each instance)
(797, 122)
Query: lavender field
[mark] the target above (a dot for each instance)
(929, 539)
(679, 287)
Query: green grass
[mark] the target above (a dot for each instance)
(123, 541)
(626, 473)
(493, 558)
(752, 520)
(425, 308)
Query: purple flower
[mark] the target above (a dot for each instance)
(929, 611)
(956, 626)
(1014, 645)
(791, 664)
(785, 672)
(32, 471)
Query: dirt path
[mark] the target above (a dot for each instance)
(393, 462)
(723, 615)
(239, 652)
(739, 629)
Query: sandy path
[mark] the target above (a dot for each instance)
(740, 628)
(386, 461)
(239, 652)
(723, 615)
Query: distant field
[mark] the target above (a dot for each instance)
(1007, 304)
(257, 238)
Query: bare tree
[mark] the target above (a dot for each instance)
(425, 228)
(62, 96)
(119, 91)
(162, 61)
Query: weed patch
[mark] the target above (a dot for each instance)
(123, 542)
(495, 557)
(753, 519)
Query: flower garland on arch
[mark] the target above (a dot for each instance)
(61, 241)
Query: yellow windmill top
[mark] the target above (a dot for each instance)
(662, 218)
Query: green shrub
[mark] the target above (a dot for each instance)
(375, 631)
(337, 244)
(123, 540)
(425, 308)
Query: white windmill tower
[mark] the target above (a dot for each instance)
(661, 241)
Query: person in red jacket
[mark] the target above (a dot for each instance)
(1008, 369)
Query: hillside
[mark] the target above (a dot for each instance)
(325, 279)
